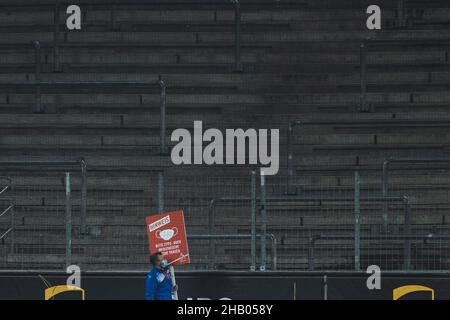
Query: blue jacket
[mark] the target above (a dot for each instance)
(158, 285)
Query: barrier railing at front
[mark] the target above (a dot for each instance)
(271, 237)
(406, 261)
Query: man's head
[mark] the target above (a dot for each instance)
(156, 259)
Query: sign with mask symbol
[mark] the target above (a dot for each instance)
(167, 234)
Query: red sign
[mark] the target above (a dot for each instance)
(167, 234)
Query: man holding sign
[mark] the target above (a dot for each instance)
(168, 246)
(158, 285)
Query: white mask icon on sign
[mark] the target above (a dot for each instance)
(167, 234)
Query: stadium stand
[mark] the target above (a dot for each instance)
(298, 60)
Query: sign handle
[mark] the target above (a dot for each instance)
(174, 282)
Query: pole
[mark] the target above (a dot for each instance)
(68, 222)
(83, 204)
(162, 120)
(37, 76)
(264, 221)
(407, 232)
(237, 36)
(363, 78)
(291, 189)
(253, 222)
(357, 223)
(161, 191)
(385, 187)
(161, 210)
(174, 282)
(56, 38)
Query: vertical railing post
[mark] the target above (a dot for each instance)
(13, 226)
(37, 76)
(385, 191)
(113, 18)
(407, 233)
(237, 36)
(161, 191)
(162, 136)
(56, 65)
(274, 254)
(357, 208)
(68, 222)
(363, 77)
(290, 188)
(253, 220)
(83, 198)
(311, 243)
(400, 14)
(263, 221)
(211, 231)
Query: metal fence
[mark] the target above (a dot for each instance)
(333, 221)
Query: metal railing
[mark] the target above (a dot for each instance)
(406, 261)
(386, 175)
(270, 236)
(8, 210)
(38, 84)
(364, 51)
(57, 4)
(82, 164)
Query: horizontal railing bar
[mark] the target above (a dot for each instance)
(79, 83)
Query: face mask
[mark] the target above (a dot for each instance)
(164, 264)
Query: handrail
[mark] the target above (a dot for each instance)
(385, 177)
(241, 236)
(213, 202)
(9, 209)
(83, 171)
(369, 42)
(56, 4)
(37, 84)
(314, 239)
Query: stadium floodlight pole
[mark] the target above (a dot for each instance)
(253, 222)
(68, 222)
(385, 180)
(357, 223)
(37, 76)
(290, 188)
(263, 220)
(56, 65)
(162, 137)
